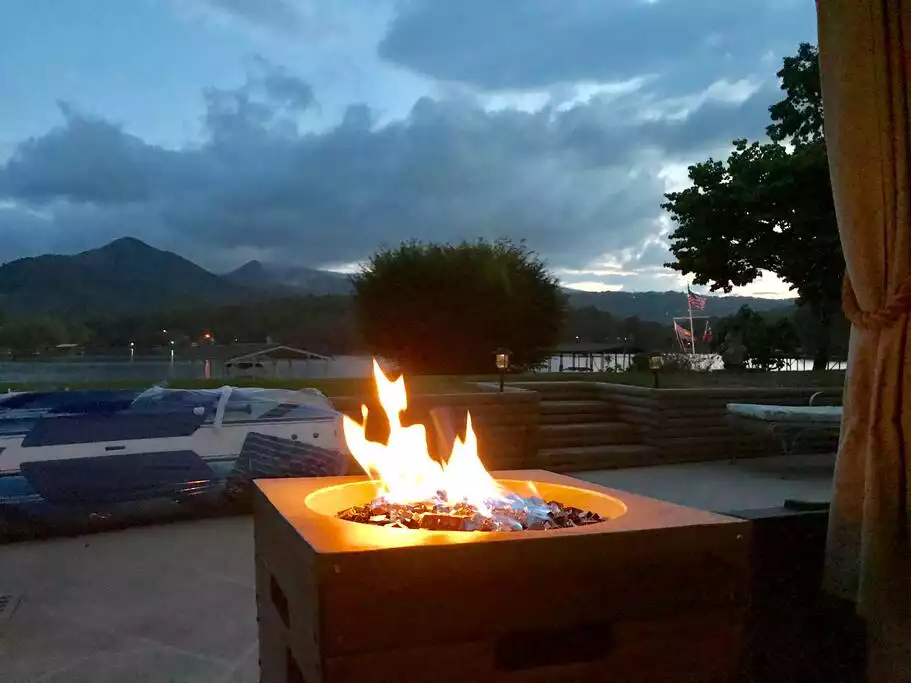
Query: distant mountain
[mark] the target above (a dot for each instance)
(289, 279)
(128, 276)
(123, 277)
(662, 306)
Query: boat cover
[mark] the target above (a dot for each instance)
(117, 478)
(76, 495)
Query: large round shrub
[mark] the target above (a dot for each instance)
(446, 308)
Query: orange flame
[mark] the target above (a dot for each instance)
(403, 469)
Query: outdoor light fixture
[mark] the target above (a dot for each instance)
(656, 364)
(502, 358)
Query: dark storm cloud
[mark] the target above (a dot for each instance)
(283, 88)
(271, 97)
(574, 182)
(539, 43)
(47, 168)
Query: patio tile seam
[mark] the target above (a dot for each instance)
(48, 675)
(220, 661)
(254, 647)
(44, 676)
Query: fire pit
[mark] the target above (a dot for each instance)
(652, 592)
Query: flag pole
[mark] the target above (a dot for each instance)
(689, 306)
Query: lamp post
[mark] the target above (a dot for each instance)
(655, 364)
(502, 359)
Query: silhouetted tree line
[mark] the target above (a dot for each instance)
(318, 323)
(328, 324)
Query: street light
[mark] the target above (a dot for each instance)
(502, 359)
(655, 364)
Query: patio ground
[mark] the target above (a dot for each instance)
(176, 602)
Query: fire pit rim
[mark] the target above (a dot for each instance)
(327, 534)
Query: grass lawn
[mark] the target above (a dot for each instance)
(449, 384)
(330, 387)
(684, 380)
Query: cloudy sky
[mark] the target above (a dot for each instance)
(311, 132)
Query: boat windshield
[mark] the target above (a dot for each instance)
(250, 401)
(161, 399)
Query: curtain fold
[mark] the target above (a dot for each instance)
(865, 67)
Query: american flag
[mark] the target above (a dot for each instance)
(695, 301)
(682, 332)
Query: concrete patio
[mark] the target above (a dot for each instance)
(175, 602)
(750, 484)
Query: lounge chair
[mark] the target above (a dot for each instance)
(786, 423)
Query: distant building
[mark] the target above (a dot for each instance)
(69, 350)
(265, 360)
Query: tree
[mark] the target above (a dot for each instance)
(768, 344)
(769, 207)
(808, 332)
(440, 308)
(324, 324)
(27, 336)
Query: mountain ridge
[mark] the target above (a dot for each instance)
(289, 279)
(129, 277)
(663, 306)
(126, 276)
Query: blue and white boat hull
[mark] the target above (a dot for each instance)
(74, 455)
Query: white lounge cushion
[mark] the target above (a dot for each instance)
(798, 414)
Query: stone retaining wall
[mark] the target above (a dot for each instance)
(691, 424)
(681, 425)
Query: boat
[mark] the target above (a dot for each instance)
(74, 459)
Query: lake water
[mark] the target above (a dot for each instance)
(152, 371)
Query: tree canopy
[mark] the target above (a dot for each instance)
(768, 343)
(768, 207)
(441, 308)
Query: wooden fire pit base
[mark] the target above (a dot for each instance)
(655, 594)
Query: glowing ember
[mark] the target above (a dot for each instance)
(519, 514)
(415, 491)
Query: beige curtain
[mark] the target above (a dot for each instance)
(865, 62)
